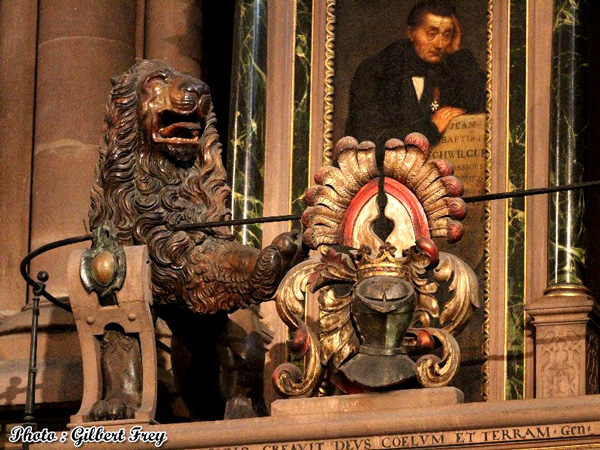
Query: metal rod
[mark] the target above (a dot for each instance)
(472, 199)
(529, 192)
(271, 219)
(29, 418)
(228, 223)
(164, 347)
(43, 249)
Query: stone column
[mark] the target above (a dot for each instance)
(80, 46)
(565, 318)
(568, 139)
(174, 33)
(246, 151)
(18, 36)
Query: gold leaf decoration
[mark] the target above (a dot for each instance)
(288, 379)
(465, 288)
(337, 336)
(336, 186)
(433, 372)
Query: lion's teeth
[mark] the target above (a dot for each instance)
(179, 128)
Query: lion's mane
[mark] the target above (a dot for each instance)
(144, 194)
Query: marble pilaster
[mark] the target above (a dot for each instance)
(568, 115)
(246, 148)
(516, 208)
(566, 317)
(300, 157)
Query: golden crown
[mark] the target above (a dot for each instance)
(384, 263)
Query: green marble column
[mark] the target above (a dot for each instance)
(246, 153)
(300, 157)
(516, 158)
(568, 116)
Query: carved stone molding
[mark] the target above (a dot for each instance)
(560, 356)
(567, 342)
(591, 366)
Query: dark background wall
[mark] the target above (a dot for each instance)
(217, 40)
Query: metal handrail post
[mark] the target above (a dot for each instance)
(29, 419)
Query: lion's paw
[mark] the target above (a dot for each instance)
(113, 409)
(273, 262)
(291, 249)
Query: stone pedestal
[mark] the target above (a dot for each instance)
(567, 342)
(385, 401)
(132, 314)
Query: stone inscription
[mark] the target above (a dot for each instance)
(439, 439)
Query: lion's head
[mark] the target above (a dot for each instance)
(159, 165)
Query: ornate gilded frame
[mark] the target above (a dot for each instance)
(517, 121)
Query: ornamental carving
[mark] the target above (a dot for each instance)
(159, 168)
(378, 275)
(561, 358)
(591, 367)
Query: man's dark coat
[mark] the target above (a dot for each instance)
(383, 102)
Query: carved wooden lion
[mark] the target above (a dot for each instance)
(160, 166)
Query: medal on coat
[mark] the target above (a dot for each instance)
(435, 104)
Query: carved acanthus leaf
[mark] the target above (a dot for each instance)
(433, 371)
(336, 267)
(337, 336)
(465, 292)
(288, 379)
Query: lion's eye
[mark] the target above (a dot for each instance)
(156, 77)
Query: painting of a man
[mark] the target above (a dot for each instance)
(418, 83)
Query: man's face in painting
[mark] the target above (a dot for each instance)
(434, 37)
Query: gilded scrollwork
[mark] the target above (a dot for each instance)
(337, 335)
(433, 371)
(463, 286)
(373, 284)
(288, 380)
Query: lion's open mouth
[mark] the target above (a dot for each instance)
(177, 128)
